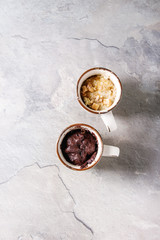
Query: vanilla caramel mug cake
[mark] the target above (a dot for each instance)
(99, 90)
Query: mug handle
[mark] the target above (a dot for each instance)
(110, 151)
(109, 121)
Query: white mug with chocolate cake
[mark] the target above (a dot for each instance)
(80, 147)
(99, 91)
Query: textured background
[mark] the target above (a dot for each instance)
(44, 47)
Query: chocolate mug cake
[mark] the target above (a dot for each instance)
(79, 147)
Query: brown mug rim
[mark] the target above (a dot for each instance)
(76, 125)
(80, 101)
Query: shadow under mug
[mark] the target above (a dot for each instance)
(103, 150)
(106, 114)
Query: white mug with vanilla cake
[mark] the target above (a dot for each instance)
(99, 91)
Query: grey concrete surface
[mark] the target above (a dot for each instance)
(44, 47)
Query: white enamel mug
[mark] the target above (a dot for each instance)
(102, 150)
(106, 114)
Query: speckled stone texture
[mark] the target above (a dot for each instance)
(44, 47)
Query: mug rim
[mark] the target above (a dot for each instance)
(74, 125)
(80, 101)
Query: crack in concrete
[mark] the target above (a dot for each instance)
(85, 17)
(6, 181)
(79, 220)
(19, 36)
(94, 39)
(50, 165)
(67, 188)
(1, 183)
(61, 179)
(82, 222)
